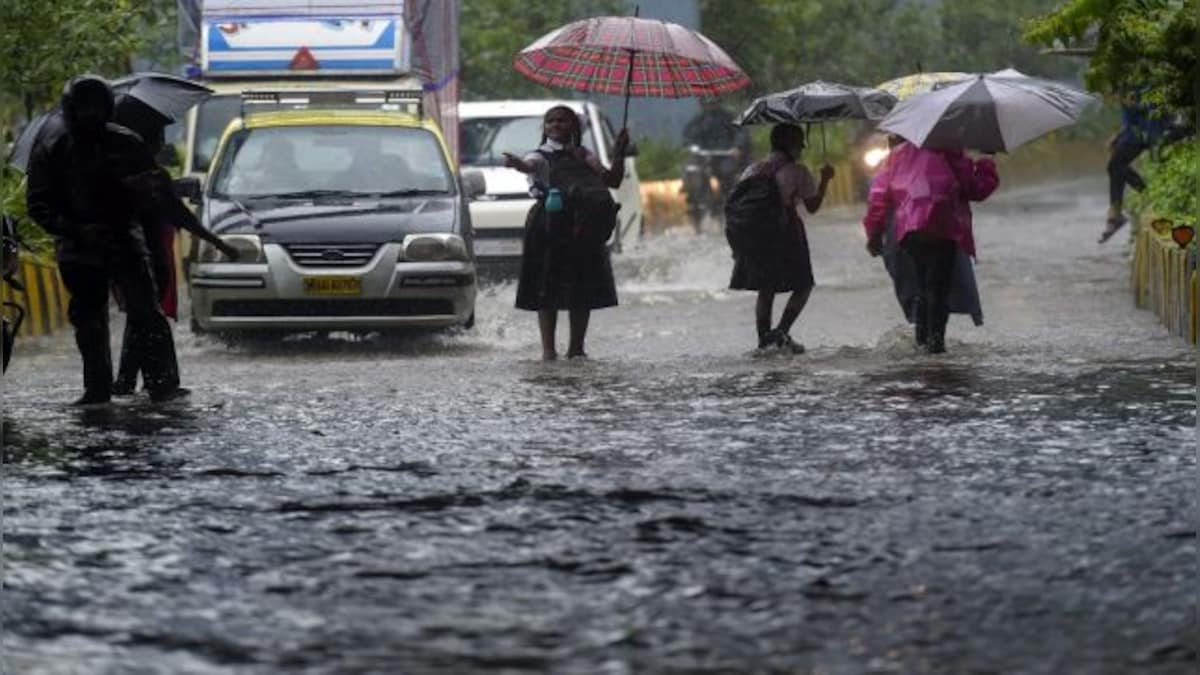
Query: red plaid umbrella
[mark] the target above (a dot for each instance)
(631, 56)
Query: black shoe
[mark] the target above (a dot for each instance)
(787, 345)
(921, 333)
(123, 387)
(937, 344)
(1111, 226)
(169, 394)
(92, 398)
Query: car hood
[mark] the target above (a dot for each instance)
(349, 221)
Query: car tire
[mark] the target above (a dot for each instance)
(470, 322)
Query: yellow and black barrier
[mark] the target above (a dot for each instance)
(1164, 280)
(44, 298)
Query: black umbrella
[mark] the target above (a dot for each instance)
(169, 95)
(818, 101)
(165, 98)
(22, 148)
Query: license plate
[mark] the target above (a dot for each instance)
(333, 285)
(497, 247)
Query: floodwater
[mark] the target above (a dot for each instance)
(1024, 503)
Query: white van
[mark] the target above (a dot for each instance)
(491, 128)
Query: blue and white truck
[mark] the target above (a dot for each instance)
(279, 45)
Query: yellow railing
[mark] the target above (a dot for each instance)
(44, 298)
(1164, 281)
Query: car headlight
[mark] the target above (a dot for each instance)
(435, 247)
(249, 248)
(874, 157)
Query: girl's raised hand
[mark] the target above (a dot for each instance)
(513, 162)
(622, 142)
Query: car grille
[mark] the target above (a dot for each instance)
(332, 255)
(321, 308)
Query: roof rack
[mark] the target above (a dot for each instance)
(401, 100)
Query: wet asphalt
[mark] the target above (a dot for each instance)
(1025, 503)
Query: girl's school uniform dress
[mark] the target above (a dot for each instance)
(561, 270)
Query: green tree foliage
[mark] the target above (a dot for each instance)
(493, 31)
(782, 43)
(43, 44)
(1151, 46)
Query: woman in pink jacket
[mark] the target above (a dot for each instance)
(929, 192)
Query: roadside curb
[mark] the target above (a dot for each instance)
(1164, 280)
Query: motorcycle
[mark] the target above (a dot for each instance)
(707, 181)
(14, 314)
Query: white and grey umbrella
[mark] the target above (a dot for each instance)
(996, 112)
(819, 102)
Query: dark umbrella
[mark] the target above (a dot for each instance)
(166, 99)
(819, 102)
(42, 125)
(168, 95)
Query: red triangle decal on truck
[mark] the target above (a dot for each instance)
(304, 60)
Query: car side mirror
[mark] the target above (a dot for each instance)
(188, 188)
(631, 150)
(474, 184)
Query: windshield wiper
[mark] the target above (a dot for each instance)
(410, 193)
(237, 204)
(310, 194)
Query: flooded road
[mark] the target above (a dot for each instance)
(1024, 503)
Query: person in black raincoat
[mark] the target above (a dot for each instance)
(158, 225)
(565, 262)
(80, 191)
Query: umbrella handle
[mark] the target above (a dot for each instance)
(628, 84)
(637, 9)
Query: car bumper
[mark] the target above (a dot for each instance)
(273, 296)
(499, 227)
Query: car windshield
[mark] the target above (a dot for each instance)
(486, 139)
(307, 161)
(212, 116)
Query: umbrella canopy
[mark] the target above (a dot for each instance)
(990, 113)
(164, 98)
(22, 148)
(631, 56)
(819, 102)
(168, 95)
(919, 83)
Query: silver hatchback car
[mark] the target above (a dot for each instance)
(344, 220)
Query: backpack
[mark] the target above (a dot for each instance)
(589, 216)
(754, 216)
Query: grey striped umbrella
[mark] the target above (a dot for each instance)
(996, 112)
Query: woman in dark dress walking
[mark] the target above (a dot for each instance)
(787, 267)
(564, 261)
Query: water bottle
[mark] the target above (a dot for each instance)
(554, 201)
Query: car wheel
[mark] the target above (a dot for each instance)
(470, 322)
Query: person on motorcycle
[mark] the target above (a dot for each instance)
(78, 191)
(712, 130)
